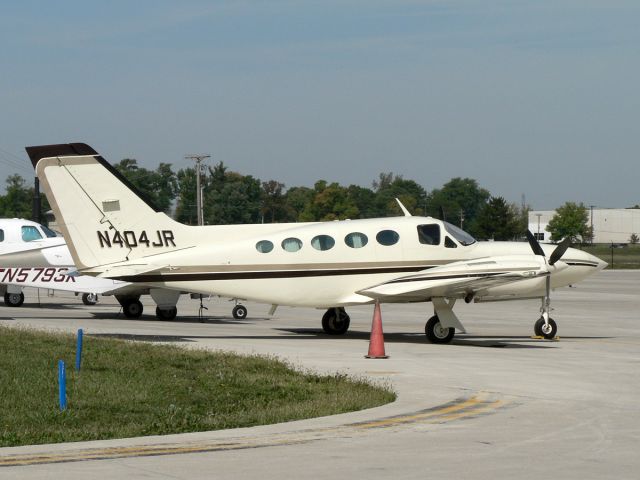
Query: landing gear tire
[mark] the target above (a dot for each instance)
(541, 330)
(132, 308)
(89, 298)
(336, 321)
(13, 299)
(166, 313)
(436, 333)
(239, 312)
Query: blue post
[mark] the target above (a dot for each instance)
(79, 350)
(62, 384)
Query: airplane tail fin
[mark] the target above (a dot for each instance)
(103, 217)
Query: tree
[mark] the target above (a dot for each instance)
(297, 199)
(18, 200)
(460, 199)
(231, 198)
(633, 239)
(389, 187)
(497, 220)
(274, 207)
(186, 209)
(160, 187)
(330, 202)
(570, 220)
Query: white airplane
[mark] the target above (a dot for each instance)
(32, 255)
(113, 232)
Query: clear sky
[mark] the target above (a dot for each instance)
(528, 97)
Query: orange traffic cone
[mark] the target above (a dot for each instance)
(376, 342)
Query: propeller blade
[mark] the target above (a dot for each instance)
(535, 246)
(559, 251)
(442, 216)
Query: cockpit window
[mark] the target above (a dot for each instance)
(30, 233)
(48, 232)
(429, 234)
(460, 235)
(448, 243)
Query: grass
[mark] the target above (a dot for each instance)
(623, 258)
(128, 389)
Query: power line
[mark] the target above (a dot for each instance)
(20, 164)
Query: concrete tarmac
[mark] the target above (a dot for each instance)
(496, 403)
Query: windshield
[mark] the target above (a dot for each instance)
(48, 232)
(460, 235)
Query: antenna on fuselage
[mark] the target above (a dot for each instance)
(403, 208)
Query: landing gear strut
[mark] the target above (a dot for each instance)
(336, 321)
(545, 326)
(436, 333)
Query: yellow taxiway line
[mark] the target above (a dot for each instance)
(476, 405)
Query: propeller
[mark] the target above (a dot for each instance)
(555, 255)
(559, 250)
(535, 246)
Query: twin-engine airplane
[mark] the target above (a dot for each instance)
(113, 232)
(32, 255)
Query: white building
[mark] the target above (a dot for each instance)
(610, 225)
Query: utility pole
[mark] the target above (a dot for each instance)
(199, 207)
(591, 207)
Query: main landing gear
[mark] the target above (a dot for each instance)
(239, 312)
(13, 299)
(131, 307)
(336, 321)
(89, 298)
(436, 333)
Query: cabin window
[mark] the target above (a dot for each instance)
(30, 233)
(448, 243)
(429, 234)
(323, 242)
(356, 240)
(1, 235)
(48, 232)
(264, 246)
(291, 244)
(387, 237)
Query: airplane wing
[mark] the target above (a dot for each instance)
(459, 279)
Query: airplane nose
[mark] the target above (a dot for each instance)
(601, 263)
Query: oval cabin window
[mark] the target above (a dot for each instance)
(387, 237)
(323, 242)
(291, 244)
(356, 240)
(264, 246)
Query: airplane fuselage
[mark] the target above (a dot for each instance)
(325, 264)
